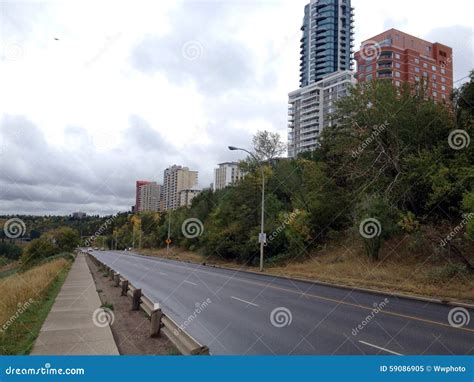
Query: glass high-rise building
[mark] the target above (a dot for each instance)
(327, 40)
(325, 71)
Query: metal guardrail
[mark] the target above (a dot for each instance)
(160, 322)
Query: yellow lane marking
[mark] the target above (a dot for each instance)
(322, 297)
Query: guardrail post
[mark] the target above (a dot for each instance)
(117, 279)
(124, 287)
(137, 293)
(155, 318)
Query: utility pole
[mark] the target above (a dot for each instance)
(262, 237)
(168, 240)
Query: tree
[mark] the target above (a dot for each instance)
(37, 250)
(267, 145)
(66, 239)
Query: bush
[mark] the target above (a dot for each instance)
(10, 251)
(375, 220)
(447, 272)
(38, 250)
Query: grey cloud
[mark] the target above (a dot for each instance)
(36, 177)
(201, 49)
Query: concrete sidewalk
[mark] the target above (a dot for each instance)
(73, 325)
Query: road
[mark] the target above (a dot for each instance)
(307, 318)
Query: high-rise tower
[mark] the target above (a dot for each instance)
(327, 41)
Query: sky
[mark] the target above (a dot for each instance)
(95, 95)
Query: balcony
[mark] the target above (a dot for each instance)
(388, 65)
(385, 75)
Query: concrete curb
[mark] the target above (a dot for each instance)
(433, 300)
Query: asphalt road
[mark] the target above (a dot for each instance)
(307, 318)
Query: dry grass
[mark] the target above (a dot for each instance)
(407, 265)
(19, 288)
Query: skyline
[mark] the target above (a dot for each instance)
(87, 114)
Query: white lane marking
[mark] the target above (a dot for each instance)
(247, 302)
(163, 273)
(379, 347)
(189, 282)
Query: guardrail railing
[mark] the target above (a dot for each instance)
(159, 322)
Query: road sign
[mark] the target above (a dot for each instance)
(262, 237)
(168, 241)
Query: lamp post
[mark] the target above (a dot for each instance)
(262, 238)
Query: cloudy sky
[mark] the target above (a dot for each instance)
(97, 94)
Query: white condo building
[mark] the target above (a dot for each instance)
(149, 195)
(176, 179)
(226, 174)
(310, 108)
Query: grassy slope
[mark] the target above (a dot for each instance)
(407, 265)
(42, 284)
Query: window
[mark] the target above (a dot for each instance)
(425, 65)
(397, 83)
(368, 68)
(435, 94)
(443, 71)
(435, 86)
(425, 74)
(369, 77)
(434, 77)
(417, 69)
(397, 56)
(397, 74)
(443, 88)
(443, 96)
(417, 78)
(443, 80)
(417, 61)
(397, 65)
(433, 68)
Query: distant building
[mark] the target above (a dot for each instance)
(186, 196)
(175, 179)
(399, 57)
(79, 215)
(138, 184)
(310, 109)
(226, 174)
(149, 196)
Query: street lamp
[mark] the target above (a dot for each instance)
(262, 238)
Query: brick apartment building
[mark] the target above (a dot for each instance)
(400, 57)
